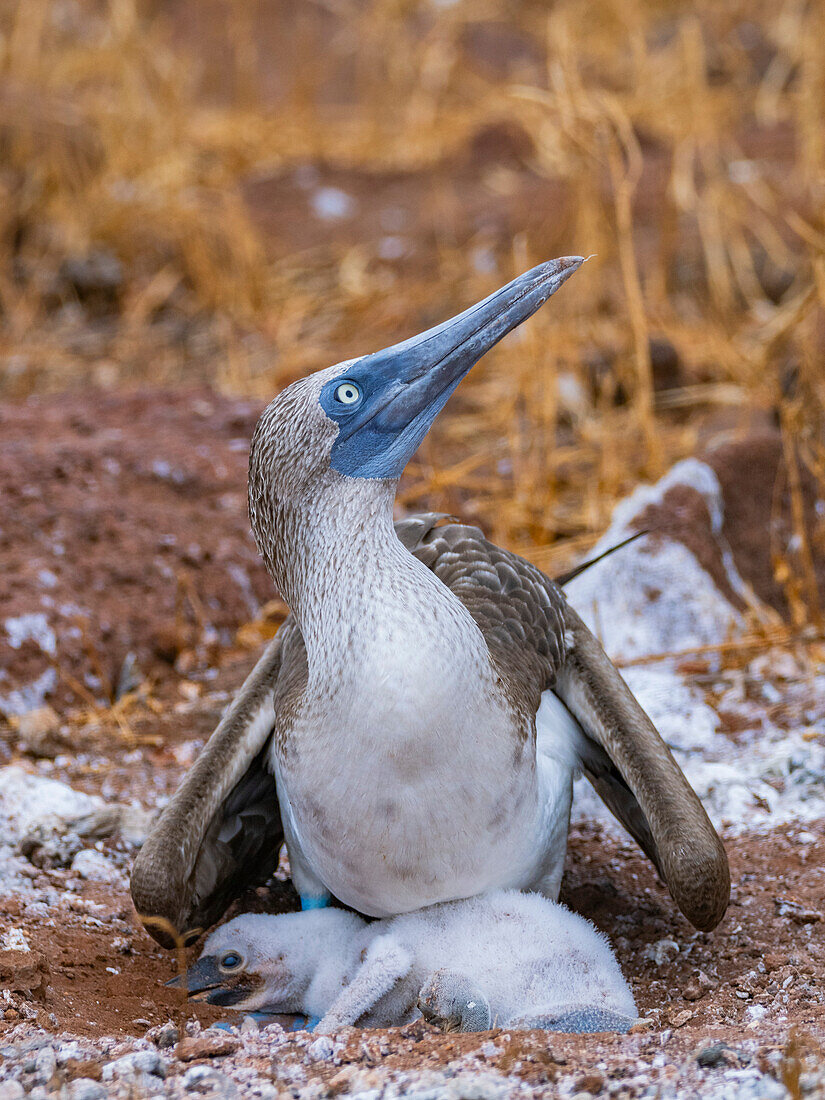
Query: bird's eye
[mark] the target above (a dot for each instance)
(231, 961)
(347, 393)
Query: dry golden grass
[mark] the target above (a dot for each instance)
(686, 142)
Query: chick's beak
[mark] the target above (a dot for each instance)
(204, 981)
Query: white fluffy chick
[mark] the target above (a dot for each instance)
(502, 959)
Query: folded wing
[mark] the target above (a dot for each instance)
(537, 641)
(221, 832)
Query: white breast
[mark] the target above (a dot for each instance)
(406, 778)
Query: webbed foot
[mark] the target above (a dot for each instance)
(453, 1002)
(577, 1019)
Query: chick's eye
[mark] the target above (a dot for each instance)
(231, 960)
(347, 393)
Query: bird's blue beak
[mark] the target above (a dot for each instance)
(385, 403)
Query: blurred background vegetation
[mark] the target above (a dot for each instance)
(234, 192)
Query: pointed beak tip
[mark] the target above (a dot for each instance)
(200, 976)
(571, 263)
(560, 269)
(552, 274)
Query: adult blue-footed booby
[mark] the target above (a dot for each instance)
(413, 730)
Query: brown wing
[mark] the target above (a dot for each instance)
(519, 610)
(221, 832)
(538, 641)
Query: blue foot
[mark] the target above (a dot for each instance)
(297, 1023)
(321, 902)
(579, 1020)
(305, 1023)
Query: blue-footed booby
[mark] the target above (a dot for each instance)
(413, 730)
(503, 959)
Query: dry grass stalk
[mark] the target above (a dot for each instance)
(684, 148)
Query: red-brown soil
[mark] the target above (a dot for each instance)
(135, 506)
(124, 522)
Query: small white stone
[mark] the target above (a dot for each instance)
(14, 940)
(205, 1079)
(69, 1050)
(756, 1012)
(26, 799)
(34, 627)
(45, 1064)
(321, 1050)
(130, 1065)
(84, 1088)
(662, 951)
(95, 867)
(332, 204)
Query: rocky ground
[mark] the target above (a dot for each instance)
(133, 603)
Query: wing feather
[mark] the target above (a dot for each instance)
(221, 831)
(537, 641)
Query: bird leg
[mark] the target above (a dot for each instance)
(308, 902)
(386, 963)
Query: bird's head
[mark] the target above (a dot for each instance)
(362, 420)
(259, 961)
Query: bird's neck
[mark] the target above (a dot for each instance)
(369, 611)
(336, 558)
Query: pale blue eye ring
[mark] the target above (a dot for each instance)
(347, 393)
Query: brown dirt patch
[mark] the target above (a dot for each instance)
(759, 522)
(759, 527)
(682, 515)
(125, 525)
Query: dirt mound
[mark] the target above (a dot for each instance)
(764, 535)
(124, 532)
(767, 541)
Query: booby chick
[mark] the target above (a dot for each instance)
(413, 730)
(503, 959)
